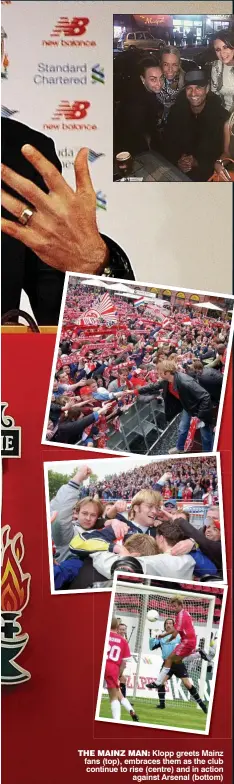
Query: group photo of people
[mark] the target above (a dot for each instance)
(161, 655)
(156, 517)
(137, 370)
(173, 99)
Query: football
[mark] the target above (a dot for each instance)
(152, 615)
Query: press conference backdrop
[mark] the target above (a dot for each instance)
(57, 73)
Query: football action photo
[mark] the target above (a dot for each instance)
(161, 654)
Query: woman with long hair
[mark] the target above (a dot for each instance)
(222, 69)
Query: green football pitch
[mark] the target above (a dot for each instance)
(176, 714)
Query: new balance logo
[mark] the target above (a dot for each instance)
(98, 74)
(71, 111)
(101, 201)
(70, 27)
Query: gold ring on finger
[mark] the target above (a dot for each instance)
(25, 216)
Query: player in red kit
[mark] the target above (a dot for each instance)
(183, 626)
(117, 653)
(122, 629)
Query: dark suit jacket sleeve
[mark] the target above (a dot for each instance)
(133, 127)
(45, 297)
(205, 409)
(196, 393)
(151, 389)
(211, 549)
(173, 134)
(118, 265)
(73, 430)
(211, 144)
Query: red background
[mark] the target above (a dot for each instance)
(48, 718)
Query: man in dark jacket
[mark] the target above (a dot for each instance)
(210, 379)
(139, 116)
(37, 250)
(195, 129)
(209, 543)
(195, 401)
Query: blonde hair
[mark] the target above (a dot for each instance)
(88, 500)
(173, 50)
(115, 623)
(168, 366)
(142, 543)
(177, 599)
(145, 496)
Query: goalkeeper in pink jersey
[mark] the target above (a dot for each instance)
(117, 654)
(183, 626)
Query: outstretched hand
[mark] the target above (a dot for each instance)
(63, 230)
(82, 474)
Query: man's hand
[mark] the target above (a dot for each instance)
(120, 529)
(78, 404)
(165, 477)
(104, 408)
(124, 392)
(223, 173)
(163, 514)
(79, 384)
(53, 517)
(182, 548)
(63, 230)
(82, 474)
(120, 506)
(185, 163)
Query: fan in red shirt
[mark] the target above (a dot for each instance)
(167, 492)
(187, 493)
(183, 626)
(117, 653)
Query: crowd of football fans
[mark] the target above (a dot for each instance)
(133, 521)
(102, 369)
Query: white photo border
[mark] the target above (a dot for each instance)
(220, 630)
(110, 282)
(141, 458)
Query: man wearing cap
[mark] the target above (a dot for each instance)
(195, 130)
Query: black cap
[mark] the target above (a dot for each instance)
(198, 77)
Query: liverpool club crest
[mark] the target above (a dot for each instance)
(15, 597)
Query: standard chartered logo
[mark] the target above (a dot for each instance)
(68, 74)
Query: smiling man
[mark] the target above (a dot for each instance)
(194, 134)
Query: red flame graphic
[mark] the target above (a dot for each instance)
(15, 584)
